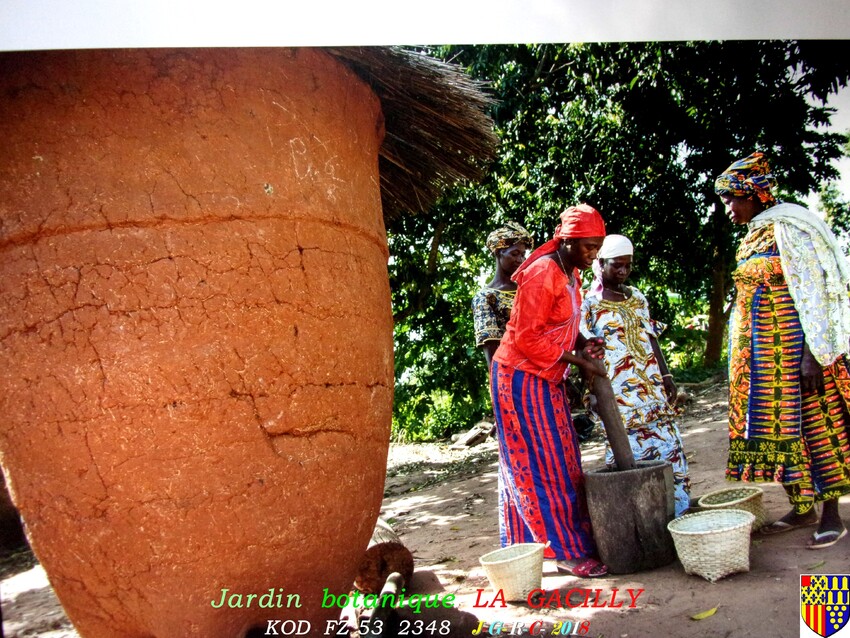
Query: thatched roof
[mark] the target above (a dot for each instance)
(438, 131)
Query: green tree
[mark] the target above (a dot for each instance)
(435, 260)
(638, 130)
(641, 129)
(726, 99)
(837, 208)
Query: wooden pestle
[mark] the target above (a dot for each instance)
(606, 407)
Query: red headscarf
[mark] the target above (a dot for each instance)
(576, 221)
(580, 221)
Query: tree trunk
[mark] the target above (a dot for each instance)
(717, 314)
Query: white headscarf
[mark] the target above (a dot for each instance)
(612, 246)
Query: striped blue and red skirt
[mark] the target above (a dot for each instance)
(541, 484)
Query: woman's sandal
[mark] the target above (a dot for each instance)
(585, 568)
(780, 527)
(821, 540)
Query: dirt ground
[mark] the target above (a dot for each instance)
(442, 503)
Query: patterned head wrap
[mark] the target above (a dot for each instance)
(508, 235)
(576, 221)
(746, 177)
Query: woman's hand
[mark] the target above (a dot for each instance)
(594, 348)
(811, 373)
(670, 388)
(588, 357)
(592, 357)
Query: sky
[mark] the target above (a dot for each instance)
(60, 24)
(120, 23)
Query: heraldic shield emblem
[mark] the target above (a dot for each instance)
(825, 602)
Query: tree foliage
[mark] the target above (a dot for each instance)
(837, 208)
(638, 130)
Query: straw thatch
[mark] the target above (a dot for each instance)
(438, 131)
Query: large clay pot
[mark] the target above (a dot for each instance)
(196, 336)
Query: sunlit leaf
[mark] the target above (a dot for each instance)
(704, 614)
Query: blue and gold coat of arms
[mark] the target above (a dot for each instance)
(825, 602)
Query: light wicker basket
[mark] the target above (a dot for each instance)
(516, 570)
(745, 497)
(713, 543)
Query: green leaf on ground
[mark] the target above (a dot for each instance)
(704, 614)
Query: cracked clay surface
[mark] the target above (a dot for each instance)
(196, 343)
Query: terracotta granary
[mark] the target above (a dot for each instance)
(196, 336)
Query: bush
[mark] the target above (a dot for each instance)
(434, 416)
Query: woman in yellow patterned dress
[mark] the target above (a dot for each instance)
(789, 384)
(619, 315)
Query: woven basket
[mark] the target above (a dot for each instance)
(747, 498)
(516, 570)
(713, 543)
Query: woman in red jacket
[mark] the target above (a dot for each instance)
(541, 492)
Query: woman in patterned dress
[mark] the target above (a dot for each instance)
(789, 383)
(491, 306)
(541, 490)
(642, 384)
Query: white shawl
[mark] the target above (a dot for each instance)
(818, 277)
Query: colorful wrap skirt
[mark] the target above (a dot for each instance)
(541, 484)
(777, 432)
